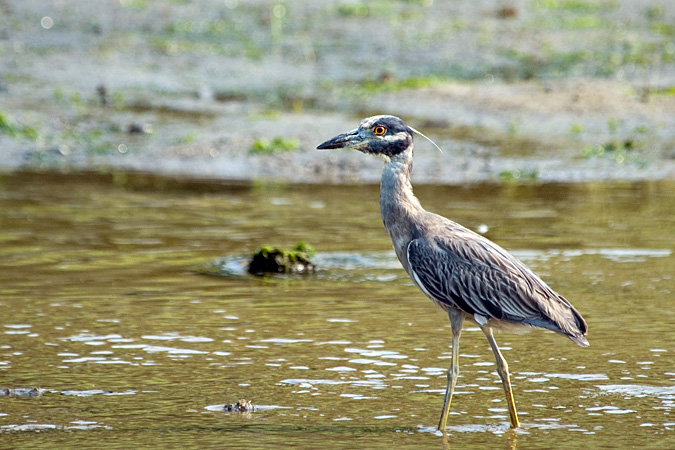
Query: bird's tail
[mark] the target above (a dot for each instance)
(579, 337)
(580, 340)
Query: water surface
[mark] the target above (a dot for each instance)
(106, 308)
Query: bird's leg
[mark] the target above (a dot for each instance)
(456, 320)
(503, 371)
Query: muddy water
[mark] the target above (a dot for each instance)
(105, 307)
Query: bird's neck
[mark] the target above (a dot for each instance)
(398, 204)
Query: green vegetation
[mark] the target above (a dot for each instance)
(274, 146)
(577, 6)
(356, 91)
(548, 63)
(220, 36)
(387, 83)
(277, 15)
(600, 62)
(658, 21)
(274, 260)
(354, 10)
(609, 55)
(576, 130)
(94, 141)
(187, 138)
(572, 14)
(516, 176)
(362, 9)
(410, 46)
(621, 150)
(138, 5)
(629, 150)
(513, 128)
(15, 131)
(669, 91)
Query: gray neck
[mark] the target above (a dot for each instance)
(399, 206)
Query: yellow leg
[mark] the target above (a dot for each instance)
(503, 371)
(456, 320)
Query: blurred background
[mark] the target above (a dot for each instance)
(555, 90)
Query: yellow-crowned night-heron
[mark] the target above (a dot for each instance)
(464, 273)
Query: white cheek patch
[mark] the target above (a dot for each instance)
(401, 135)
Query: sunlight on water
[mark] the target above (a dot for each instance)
(130, 314)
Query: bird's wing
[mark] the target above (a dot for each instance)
(475, 275)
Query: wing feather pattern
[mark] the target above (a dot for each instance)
(475, 275)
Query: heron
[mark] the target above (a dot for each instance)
(462, 272)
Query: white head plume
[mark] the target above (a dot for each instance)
(428, 139)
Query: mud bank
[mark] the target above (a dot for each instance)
(538, 91)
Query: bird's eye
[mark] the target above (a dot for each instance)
(379, 130)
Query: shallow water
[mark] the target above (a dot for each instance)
(107, 306)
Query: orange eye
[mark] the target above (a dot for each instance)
(379, 130)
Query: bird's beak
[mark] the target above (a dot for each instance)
(350, 139)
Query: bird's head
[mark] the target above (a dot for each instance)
(385, 136)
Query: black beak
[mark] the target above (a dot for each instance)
(349, 139)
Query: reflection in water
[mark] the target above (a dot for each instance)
(510, 438)
(105, 308)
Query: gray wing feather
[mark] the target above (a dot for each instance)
(475, 275)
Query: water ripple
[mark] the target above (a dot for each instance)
(176, 336)
(90, 392)
(384, 266)
(621, 255)
(578, 376)
(639, 390)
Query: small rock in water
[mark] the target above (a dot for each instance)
(242, 405)
(21, 392)
(272, 260)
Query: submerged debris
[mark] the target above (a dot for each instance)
(273, 260)
(22, 392)
(242, 405)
